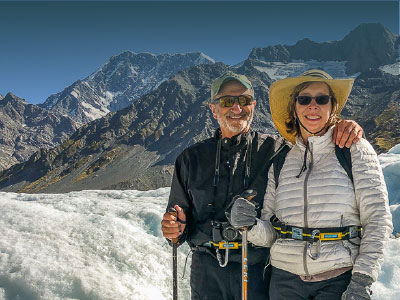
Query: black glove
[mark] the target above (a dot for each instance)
(359, 288)
(241, 213)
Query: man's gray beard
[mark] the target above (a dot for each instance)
(241, 126)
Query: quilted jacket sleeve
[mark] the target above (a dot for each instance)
(263, 234)
(372, 202)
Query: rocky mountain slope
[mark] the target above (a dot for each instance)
(375, 103)
(25, 128)
(118, 83)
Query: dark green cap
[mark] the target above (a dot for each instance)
(228, 76)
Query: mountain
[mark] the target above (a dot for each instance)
(135, 147)
(25, 128)
(367, 46)
(118, 83)
(1, 97)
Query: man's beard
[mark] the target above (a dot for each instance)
(234, 126)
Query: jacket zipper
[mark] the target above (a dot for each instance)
(310, 166)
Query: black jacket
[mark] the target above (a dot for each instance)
(193, 184)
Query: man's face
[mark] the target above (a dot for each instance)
(236, 119)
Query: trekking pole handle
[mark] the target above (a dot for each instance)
(249, 195)
(172, 211)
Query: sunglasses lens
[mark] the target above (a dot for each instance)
(244, 100)
(322, 100)
(228, 101)
(304, 100)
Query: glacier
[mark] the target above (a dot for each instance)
(101, 245)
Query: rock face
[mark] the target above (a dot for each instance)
(25, 128)
(375, 104)
(367, 46)
(118, 83)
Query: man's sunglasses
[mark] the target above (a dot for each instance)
(228, 101)
(320, 100)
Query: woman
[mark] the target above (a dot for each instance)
(314, 217)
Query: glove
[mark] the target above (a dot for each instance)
(359, 288)
(242, 213)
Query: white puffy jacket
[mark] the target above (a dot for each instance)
(324, 197)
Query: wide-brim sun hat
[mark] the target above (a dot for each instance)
(281, 90)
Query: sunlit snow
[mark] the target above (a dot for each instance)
(393, 69)
(280, 70)
(108, 245)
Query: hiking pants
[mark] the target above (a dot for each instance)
(285, 285)
(209, 281)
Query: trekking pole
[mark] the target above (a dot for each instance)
(249, 195)
(174, 242)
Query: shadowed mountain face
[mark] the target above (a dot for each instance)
(25, 128)
(367, 46)
(118, 83)
(375, 103)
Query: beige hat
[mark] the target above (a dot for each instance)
(281, 90)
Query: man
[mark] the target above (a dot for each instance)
(208, 175)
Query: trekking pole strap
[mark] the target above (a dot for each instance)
(308, 234)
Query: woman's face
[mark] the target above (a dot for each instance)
(313, 116)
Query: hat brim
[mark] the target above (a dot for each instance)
(281, 90)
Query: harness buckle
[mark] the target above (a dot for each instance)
(315, 233)
(297, 233)
(353, 232)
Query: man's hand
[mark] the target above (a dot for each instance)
(346, 133)
(171, 226)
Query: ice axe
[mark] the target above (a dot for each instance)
(248, 195)
(174, 242)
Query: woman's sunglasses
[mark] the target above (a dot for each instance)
(320, 100)
(228, 101)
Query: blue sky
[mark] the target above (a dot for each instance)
(46, 46)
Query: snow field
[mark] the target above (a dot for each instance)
(101, 245)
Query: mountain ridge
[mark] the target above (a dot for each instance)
(118, 83)
(367, 46)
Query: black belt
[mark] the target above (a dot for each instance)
(315, 234)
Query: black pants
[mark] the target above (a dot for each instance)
(288, 286)
(209, 281)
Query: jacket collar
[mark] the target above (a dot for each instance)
(236, 140)
(317, 143)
